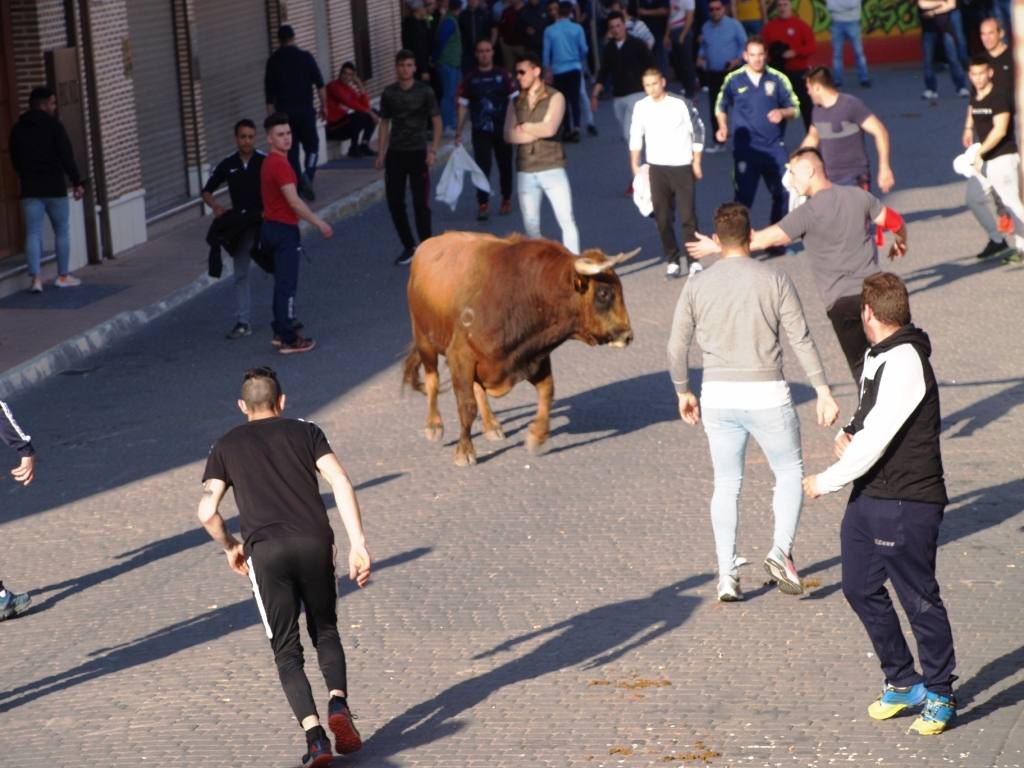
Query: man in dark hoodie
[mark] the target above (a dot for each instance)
(42, 157)
(890, 451)
(12, 604)
(288, 83)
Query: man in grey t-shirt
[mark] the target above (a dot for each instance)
(835, 224)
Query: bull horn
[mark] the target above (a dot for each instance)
(587, 266)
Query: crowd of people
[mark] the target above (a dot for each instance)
(520, 113)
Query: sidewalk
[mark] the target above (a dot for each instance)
(44, 334)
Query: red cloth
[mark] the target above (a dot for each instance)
(342, 99)
(797, 34)
(275, 173)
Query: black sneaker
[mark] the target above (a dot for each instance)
(354, 152)
(306, 189)
(366, 151)
(992, 248)
(592, 130)
(405, 257)
(319, 754)
(301, 344)
(240, 330)
(339, 719)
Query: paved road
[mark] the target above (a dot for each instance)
(552, 611)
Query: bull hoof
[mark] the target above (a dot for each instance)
(464, 458)
(534, 444)
(434, 433)
(495, 434)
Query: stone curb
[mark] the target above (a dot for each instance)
(73, 351)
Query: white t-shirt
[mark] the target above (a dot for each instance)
(678, 9)
(748, 395)
(667, 129)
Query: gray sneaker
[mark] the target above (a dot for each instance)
(240, 330)
(780, 567)
(729, 589)
(12, 605)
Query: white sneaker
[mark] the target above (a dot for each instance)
(67, 281)
(36, 285)
(780, 567)
(729, 589)
(930, 95)
(963, 93)
(673, 270)
(695, 268)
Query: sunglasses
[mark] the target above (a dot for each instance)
(522, 71)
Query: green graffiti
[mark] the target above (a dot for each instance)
(880, 16)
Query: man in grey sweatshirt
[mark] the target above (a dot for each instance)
(737, 310)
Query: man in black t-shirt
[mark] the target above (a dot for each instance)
(287, 548)
(990, 118)
(999, 54)
(408, 109)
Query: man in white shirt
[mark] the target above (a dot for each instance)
(673, 133)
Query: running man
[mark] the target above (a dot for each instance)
(755, 101)
(241, 172)
(738, 309)
(533, 124)
(12, 604)
(836, 226)
(890, 452)
(287, 548)
(280, 235)
(670, 130)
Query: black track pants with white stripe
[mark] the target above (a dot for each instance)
(287, 574)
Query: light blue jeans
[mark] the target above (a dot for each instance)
(777, 431)
(553, 184)
(242, 261)
(58, 209)
(841, 32)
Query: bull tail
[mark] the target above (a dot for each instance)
(411, 370)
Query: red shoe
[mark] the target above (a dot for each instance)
(301, 344)
(506, 207)
(339, 719)
(1005, 224)
(482, 213)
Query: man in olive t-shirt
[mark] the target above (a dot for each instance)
(408, 109)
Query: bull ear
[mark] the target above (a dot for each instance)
(587, 266)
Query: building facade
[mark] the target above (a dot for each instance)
(150, 91)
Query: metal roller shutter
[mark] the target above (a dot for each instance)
(157, 104)
(233, 47)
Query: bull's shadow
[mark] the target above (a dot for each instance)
(590, 639)
(613, 410)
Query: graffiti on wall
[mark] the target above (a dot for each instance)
(883, 17)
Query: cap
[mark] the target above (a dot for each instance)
(285, 33)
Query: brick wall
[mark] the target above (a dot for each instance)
(116, 97)
(385, 41)
(36, 27)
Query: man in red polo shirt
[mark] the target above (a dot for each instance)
(790, 41)
(279, 236)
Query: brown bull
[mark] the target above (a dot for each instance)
(496, 309)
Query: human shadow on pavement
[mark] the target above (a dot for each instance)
(588, 640)
(197, 630)
(966, 514)
(947, 272)
(988, 676)
(981, 413)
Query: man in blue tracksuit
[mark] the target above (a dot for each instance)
(755, 101)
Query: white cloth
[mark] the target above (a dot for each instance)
(963, 163)
(746, 395)
(667, 129)
(449, 186)
(642, 191)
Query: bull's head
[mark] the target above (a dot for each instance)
(603, 317)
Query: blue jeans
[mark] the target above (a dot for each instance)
(753, 26)
(777, 431)
(283, 241)
(58, 209)
(553, 184)
(929, 39)
(841, 32)
(449, 83)
(242, 260)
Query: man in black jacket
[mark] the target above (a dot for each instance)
(624, 61)
(41, 155)
(12, 604)
(288, 83)
(418, 37)
(475, 24)
(241, 172)
(890, 451)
